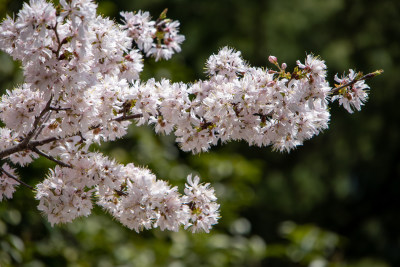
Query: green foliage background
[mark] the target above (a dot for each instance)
(332, 202)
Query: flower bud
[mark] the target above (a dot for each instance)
(273, 59)
(283, 66)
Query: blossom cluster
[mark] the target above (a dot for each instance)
(159, 39)
(81, 86)
(238, 102)
(132, 195)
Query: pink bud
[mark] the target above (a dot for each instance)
(283, 66)
(273, 59)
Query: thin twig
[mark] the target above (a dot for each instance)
(59, 42)
(16, 179)
(36, 150)
(366, 76)
(46, 118)
(36, 123)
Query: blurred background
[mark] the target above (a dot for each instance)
(332, 202)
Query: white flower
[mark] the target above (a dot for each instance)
(8, 138)
(23, 158)
(9, 35)
(7, 184)
(314, 65)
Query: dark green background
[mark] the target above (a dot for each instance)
(333, 201)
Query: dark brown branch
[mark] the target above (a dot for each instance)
(59, 42)
(35, 143)
(36, 150)
(366, 76)
(11, 150)
(59, 109)
(128, 117)
(16, 179)
(25, 142)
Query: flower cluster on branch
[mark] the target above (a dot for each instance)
(81, 86)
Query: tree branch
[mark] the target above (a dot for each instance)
(31, 145)
(16, 179)
(59, 109)
(59, 42)
(36, 150)
(128, 117)
(42, 126)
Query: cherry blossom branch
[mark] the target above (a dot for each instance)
(356, 79)
(16, 179)
(102, 87)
